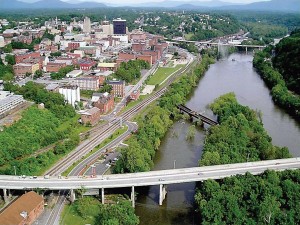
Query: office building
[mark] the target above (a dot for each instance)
(119, 26)
(87, 25)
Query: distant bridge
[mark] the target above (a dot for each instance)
(210, 43)
(196, 115)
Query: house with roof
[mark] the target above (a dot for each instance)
(90, 116)
(25, 210)
(103, 101)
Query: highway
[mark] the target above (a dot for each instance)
(148, 178)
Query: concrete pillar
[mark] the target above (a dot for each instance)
(162, 193)
(102, 195)
(72, 195)
(132, 197)
(246, 49)
(5, 195)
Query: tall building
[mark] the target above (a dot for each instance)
(2, 42)
(119, 26)
(87, 25)
(71, 93)
(107, 28)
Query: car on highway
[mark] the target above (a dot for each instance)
(161, 179)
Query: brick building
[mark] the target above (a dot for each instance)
(25, 210)
(21, 69)
(54, 67)
(155, 55)
(86, 64)
(135, 95)
(103, 101)
(127, 56)
(107, 67)
(147, 58)
(118, 87)
(91, 116)
(39, 60)
(73, 45)
(19, 58)
(139, 46)
(87, 83)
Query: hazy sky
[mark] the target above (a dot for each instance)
(141, 1)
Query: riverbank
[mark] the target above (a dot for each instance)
(153, 126)
(240, 137)
(280, 92)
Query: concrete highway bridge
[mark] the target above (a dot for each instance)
(161, 178)
(210, 43)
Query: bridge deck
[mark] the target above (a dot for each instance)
(149, 178)
(197, 115)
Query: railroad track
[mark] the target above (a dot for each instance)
(106, 130)
(82, 150)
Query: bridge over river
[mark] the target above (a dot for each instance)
(161, 178)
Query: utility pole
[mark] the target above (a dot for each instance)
(174, 163)
(15, 170)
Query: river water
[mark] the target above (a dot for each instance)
(232, 74)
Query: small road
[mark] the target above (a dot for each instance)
(78, 170)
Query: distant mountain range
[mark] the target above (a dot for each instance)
(173, 4)
(273, 5)
(47, 4)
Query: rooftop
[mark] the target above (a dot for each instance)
(26, 203)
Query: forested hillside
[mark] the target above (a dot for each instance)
(287, 60)
(282, 76)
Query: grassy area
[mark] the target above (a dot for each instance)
(86, 93)
(188, 36)
(70, 215)
(116, 134)
(161, 74)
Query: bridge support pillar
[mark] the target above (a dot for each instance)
(5, 195)
(162, 193)
(72, 195)
(132, 197)
(102, 195)
(246, 49)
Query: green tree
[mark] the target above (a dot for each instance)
(10, 59)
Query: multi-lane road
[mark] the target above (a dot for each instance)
(149, 178)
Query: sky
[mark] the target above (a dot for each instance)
(142, 1)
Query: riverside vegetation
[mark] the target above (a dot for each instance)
(36, 129)
(270, 198)
(279, 67)
(154, 125)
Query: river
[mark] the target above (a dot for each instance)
(232, 74)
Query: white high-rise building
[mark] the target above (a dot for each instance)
(2, 43)
(71, 93)
(87, 25)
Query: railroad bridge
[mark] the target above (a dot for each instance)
(193, 114)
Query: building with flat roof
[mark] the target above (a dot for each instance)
(87, 25)
(119, 26)
(118, 87)
(24, 211)
(9, 101)
(22, 69)
(90, 116)
(74, 73)
(87, 83)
